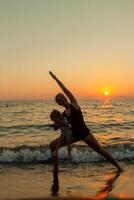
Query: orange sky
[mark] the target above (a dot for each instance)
(88, 44)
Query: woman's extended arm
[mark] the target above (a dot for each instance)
(65, 90)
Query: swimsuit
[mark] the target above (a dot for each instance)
(79, 128)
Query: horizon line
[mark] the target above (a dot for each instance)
(79, 98)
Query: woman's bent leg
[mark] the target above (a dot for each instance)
(53, 145)
(92, 142)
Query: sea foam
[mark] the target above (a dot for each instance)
(80, 154)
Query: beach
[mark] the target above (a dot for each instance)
(92, 181)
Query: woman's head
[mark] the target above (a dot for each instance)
(56, 115)
(61, 99)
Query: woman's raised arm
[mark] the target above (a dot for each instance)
(65, 90)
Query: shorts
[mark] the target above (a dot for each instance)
(81, 134)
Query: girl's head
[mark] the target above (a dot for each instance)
(56, 115)
(61, 99)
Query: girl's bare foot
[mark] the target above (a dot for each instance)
(69, 157)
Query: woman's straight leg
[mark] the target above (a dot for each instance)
(92, 142)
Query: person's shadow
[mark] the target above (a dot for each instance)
(55, 185)
(103, 193)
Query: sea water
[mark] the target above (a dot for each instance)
(25, 134)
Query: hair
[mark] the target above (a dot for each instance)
(57, 96)
(55, 113)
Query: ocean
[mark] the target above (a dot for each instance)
(25, 136)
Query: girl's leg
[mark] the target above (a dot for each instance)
(92, 142)
(69, 138)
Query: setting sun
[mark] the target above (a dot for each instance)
(106, 93)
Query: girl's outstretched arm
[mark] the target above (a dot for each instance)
(65, 90)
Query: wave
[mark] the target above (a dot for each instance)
(80, 154)
(120, 125)
(129, 125)
(22, 127)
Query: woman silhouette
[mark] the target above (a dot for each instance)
(80, 130)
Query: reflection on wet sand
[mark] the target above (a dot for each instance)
(55, 185)
(103, 193)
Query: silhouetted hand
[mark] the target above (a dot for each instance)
(53, 76)
(54, 126)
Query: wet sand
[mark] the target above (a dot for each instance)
(93, 181)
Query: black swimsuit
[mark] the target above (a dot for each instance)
(79, 128)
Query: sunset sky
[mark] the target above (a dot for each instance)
(88, 44)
